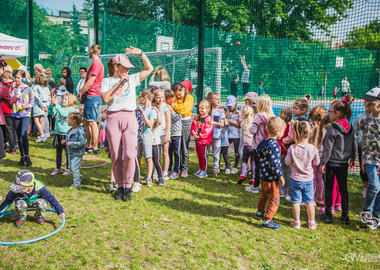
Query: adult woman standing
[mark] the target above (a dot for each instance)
(66, 72)
(21, 112)
(121, 123)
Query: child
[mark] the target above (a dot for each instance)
(339, 151)
(175, 135)
(336, 90)
(316, 115)
(75, 143)
(11, 137)
(27, 192)
(163, 78)
(301, 156)
(225, 144)
(370, 126)
(286, 114)
(61, 90)
(164, 129)
(184, 106)
(136, 185)
(202, 131)
(250, 100)
(348, 98)
(61, 113)
(264, 112)
(359, 139)
(149, 114)
(270, 173)
(156, 148)
(245, 121)
(218, 122)
(300, 109)
(233, 129)
(42, 101)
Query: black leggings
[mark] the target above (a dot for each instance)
(156, 150)
(22, 125)
(340, 173)
(136, 178)
(236, 143)
(58, 158)
(224, 153)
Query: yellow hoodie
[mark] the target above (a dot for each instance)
(184, 108)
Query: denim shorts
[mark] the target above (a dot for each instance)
(145, 145)
(91, 108)
(301, 191)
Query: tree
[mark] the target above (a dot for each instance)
(367, 37)
(77, 40)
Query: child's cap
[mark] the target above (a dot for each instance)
(188, 85)
(123, 60)
(372, 94)
(231, 101)
(23, 179)
(250, 95)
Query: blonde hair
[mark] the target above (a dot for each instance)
(302, 130)
(247, 113)
(39, 67)
(162, 74)
(157, 91)
(225, 110)
(264, 104)
(96, 49)
(6, 75)
(147, 93)
(71, 100)
(286, 114)
(275, 123)
(206, 103)
(62, 81)
(317, 114)
(211, 95)
(41, 79)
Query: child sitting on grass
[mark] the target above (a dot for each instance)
(270, 173)
(27, 192)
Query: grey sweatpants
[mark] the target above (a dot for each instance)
(21, 207)
(216, 146)
(286, 172)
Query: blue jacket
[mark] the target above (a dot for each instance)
(77, 139)
(39, 192)
(269, 153)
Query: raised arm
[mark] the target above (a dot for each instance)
(148, 68)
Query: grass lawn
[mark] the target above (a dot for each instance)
(189, 223)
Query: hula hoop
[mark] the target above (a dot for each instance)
(90, 167)
(35, 239)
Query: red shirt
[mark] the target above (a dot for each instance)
(286, 132)
(96, 69)
(7, 109)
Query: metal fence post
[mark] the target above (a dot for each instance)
(201, 49)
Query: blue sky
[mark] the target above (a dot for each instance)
(53, 6)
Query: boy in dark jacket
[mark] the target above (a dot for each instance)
(269, 154)
(27, 192)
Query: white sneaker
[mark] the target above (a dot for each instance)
(166, 177)
(47, 135)
(66, 172)
(234, 171)
(40, 139)
(136, 187)
(174, 175)
(184, 174)
(56, 171)
(227, 171)
(252, 189)
(223, 168)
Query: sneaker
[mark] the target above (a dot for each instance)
(252, 189)
(136, 187)
(227, 171)
(296, 224)
(270, 225)
(366, 217)
(345, 220)
(364, 192)
(161, 181)
(338, 207)
(241, 179)
(287, 198)
(22, 161)
(198, 172)
(312, 225)
(19, 222)
(376, 224)
(143, 181)
(127, 195)
(203, 174)
(12, 150)
(282, 193)
(74, 186)
(325, 218)
(112, 187)
(56, 171)
(234, 171)
(174, 176)
(28, 162)
(149, 182)
(155, 177)
(184, 174)
(223, 168)
(47, 135)
(259, 215)
(214, 173)
(252, 181)
(66, 172)
(40, 220)
(119, 193)
(166, 177)
(332, 211)
(320, 203)
(321, 209)
(52, 132)
(40, 139)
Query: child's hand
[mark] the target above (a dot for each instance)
(352, 163)
(54, 100)
(166, 138)
(62, 215)
(25, 106)
(68, 143)
(45, 109)
(196, 117)
(322, 169)
(282, 181)
(63, 142)
(141, 109)
(212, 122)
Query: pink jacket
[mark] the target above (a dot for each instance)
(205, 136)
(258, 129)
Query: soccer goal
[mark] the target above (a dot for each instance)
(181, 65)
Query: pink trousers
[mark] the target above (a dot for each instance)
(121, 132)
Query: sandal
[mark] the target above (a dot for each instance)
(88, 151)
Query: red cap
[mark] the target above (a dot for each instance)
(188, 85)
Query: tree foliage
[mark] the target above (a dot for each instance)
(367, 37)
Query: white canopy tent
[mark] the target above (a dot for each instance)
(12, 48)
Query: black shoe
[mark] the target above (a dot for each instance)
(19, 222)
(27, 161)
(127, 195)
(325, 218)
(95, 152)
(119, 193)
(40, 220)
(22, 161)
(6, 147)
(345, 220)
